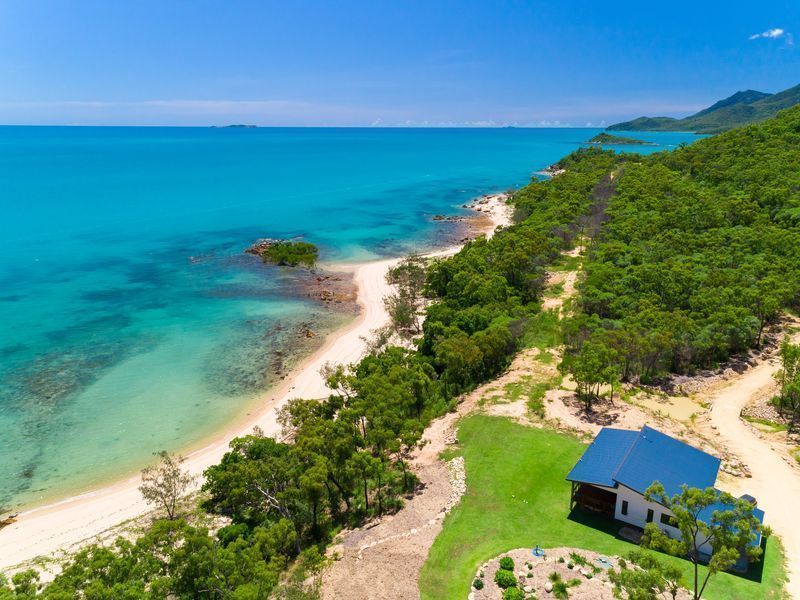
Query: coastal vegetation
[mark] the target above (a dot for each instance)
(698, 253)
(406, 303)
(616, 140)
(290, 254)
(742, 108)
(164, 484)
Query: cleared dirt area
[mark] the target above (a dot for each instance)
(383, 560)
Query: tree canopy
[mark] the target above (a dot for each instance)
(698, 252)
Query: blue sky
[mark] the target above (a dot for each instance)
(428, 62)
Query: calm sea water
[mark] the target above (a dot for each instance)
(131, 320)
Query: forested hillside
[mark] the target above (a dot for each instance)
(739, 109)
(698, 252)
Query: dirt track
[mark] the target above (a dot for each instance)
(775, 481)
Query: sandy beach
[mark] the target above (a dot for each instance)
(65, 526)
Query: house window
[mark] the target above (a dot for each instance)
(668, 520)
(624, 507)
(649, 515)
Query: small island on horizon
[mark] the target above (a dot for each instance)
(616, 140)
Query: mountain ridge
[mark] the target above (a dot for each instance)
(741, 108)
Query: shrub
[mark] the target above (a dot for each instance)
(505, 579)
(507, 563)
(561, 587)
(513, 594)
(291, 254)
(560, 560)
(478, 583)
(231, 533)
(560, 590)
(578, 559)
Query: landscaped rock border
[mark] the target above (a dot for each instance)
(594, 583)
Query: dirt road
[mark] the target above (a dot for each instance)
(775, 482)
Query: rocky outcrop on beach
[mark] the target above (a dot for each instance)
(552, 170)
(331, 289)
(261, 245)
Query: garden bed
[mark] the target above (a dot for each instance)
(578, 581)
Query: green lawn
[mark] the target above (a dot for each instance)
(517, 497)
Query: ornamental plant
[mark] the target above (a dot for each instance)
(505, 579)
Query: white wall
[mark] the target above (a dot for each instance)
(637, 513)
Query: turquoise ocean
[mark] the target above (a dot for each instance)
(130, 319)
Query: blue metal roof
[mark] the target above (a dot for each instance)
(636, 459)
(603, 457)
(657, 456)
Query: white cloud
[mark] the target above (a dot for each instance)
(772, 34)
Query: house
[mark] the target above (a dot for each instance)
(611, 477)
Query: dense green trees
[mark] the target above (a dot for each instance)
(788, 378)
(698, 252)
(291, 254)
(486, 294)
(171, 560)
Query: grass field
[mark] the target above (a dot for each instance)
(517, 497)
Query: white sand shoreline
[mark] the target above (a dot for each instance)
(67, 524)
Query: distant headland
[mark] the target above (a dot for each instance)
(742, 108)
